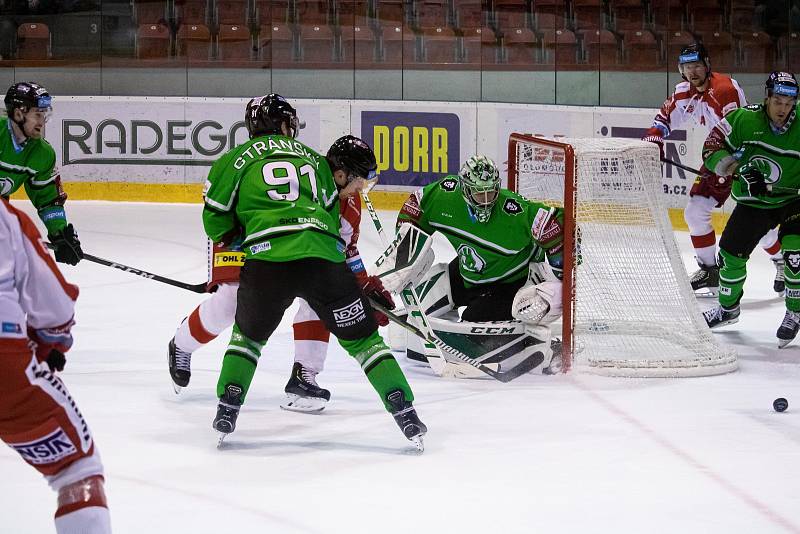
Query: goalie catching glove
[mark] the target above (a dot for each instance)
(406, 259)
(539, 304)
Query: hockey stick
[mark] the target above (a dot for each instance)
(524, 367)
(196, 288)
(770, 187)
(412, 303)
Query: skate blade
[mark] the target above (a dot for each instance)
(176, 388)
(706, 293)
(418, 444)
(220, 438)
(724, 323)
(783, 342)
(296, 403)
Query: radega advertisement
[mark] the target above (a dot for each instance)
(412, 149)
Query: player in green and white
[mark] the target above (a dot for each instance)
(283, 198)
(27, 160)
(758, 145)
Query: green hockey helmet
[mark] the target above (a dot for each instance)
(480, 185)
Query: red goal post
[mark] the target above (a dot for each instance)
(628, 306)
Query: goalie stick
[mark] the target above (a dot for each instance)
(427, 333)
(770, 187)
(196, 288)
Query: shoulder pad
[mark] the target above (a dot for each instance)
(449, 184)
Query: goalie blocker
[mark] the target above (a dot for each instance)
(492, 344)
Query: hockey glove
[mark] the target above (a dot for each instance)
(48, 340)
(66, 246)
(753, 179)
(654, 135)
(373, 288)
(56, 361)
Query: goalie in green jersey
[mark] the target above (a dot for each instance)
(509, 254)
(27, 159)
(758, 145)
(283, 198)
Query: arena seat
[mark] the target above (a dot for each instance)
(559, 47)
(33, 41)
(628, 14)
(520, 47)
(548, 21)
(641, 50)
(269, 11)
(398, 45)
(471, 13)
(431, 13)
(234, 42)
(674, 42)
(512, 14)
(480, 47)
(194, 42)
(722, 50)
(439, 45)
(360, 46)
(393, 12)
(192, 12)
(758, 52)
(669, 15)
(152, 41)
(705, 15)
(276, 45)
(232, 12)
(588, 14)
(312, 12)
(318, 44)
(601, 48)
(147, 12)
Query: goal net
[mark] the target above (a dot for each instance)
(628, 306)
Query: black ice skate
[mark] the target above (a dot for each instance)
(179, 366)
(788, 329)
(303, 394)
(779, 285)
(406, 417)
(705, 281)
(227, 411)
(721, 316)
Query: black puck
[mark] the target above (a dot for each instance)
(780, 404)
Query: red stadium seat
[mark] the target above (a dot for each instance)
(471, 13)
(674, 42)
(721, 49)
(311, 12)
(234, 42)
(669, 15)
(147, 12)
(269, 11)
(555, 7)
(440, 45)
(152, 41)
(588, 14)
(360, 46)
(628, 14)
(641, 50)
(318, 44)
(33, 41)
(480, 47)
(192, 11)
(193, 41)
(559, 47)
(549, 21)
(520, 47)
(759, 53)
(790, 47)
(232, 12)
(705, 16)
(512, 14)
(431, 13)
(276, 45)
(398, 45)
(743, 15)
(393, 12)
(601, 48)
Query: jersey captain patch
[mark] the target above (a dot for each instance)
(512, 207)
(449, 184)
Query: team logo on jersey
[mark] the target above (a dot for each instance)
(6, 185)
(792, 260)
(449, 185)
(512, 207)
(350, 314)
(769, 168)
(47, 450)
(470, 259)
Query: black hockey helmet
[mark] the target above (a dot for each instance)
(690, 54)
(26, 95)
(265, 114)
(354, 156)
(781, 83)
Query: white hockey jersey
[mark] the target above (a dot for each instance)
(33, 291)
(704, 109)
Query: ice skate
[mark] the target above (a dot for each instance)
(788, 329)
(227, 412)
(179, 366)
(721, 316)
(705, 281)
(779, 285)
(303, 394)
(406, 417)
(556, 360)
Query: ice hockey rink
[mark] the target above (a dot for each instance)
(567, 453)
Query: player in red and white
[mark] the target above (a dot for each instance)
(38, 417)
(217, 313)
(705, 97)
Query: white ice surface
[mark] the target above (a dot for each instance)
(573, 453)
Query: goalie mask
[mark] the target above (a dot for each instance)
(265, 115)
(354, 156)
(480, 185)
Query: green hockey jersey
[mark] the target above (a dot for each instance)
(519, 231)
(746, 135)
(32, 165)
(280, 195)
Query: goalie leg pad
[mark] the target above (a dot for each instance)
(406, 259)
(433, 292)
(539, 304)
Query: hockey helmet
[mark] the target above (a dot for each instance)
(354, 156)
(480, 185)
(781, 83)
(692, 53)
(27, 95)
(265, 114)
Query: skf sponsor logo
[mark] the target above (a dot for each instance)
(350, 314)
(228, 259)
(674, 145)
(47, 450)
(412, 148)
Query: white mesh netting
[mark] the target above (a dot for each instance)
(635, 313)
